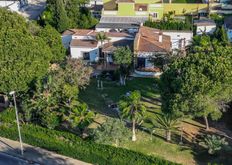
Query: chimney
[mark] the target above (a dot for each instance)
(160, 37)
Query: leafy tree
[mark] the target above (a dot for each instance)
(111, 132)
(23, 57)
(65, 14)
(123, 57)
(53, 40)
(56, 97)
(168, 123)
(60, 16)
(132, 108)
(198, 85)
(213, 143)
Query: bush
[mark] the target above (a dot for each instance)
(70, 145)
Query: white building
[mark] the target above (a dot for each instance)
(83, 44)
(206, 26)
(179, 39)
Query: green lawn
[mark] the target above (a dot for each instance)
(98, 100)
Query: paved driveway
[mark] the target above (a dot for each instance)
(34, 9)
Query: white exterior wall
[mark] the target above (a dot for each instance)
(77, 52)
(176, 37)
(12, 5)
(206, 29)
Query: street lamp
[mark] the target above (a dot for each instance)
(12, 93)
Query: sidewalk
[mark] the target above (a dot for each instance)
(36, 154)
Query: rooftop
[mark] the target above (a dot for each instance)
(84, 43)
(112, 46)
(89, 32)
(204, 22)
(123, 20)
(152, 40)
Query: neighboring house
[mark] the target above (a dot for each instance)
(179, 38)
(153, 9)
(83, 44)
(148, 44)
(204, 25)
(228, 27)
(120, 24)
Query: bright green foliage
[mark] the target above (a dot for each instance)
(23, 57)
(132, 108)
(123, 57)
(79, 117)
(202, 43)
(199, 84)
(169, 23)
(213, 143)
(65, 14)
(70, 145)
(53, 40)
(112, 132)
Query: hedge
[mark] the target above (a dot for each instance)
(71, 145)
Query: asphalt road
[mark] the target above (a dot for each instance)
(10, 160)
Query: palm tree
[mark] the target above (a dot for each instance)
(133, 109)
(101, 36)
(167, 122)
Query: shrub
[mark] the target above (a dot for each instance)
(214, 143)
(70, 145)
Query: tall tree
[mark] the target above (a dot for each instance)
(198, 85)
(23, 57)
(123, 57)
(53, 40)
(132, 108)
(61, 18)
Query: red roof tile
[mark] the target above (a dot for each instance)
(147, 40)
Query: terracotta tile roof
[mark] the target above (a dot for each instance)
(89, 32)
(69, 32)
(147, 40)
(83, 43)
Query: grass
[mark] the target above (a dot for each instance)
(156, 145)
(98, 99)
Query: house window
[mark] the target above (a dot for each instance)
(86, 56)
(154, 15)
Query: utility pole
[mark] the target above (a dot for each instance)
(12, 93)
